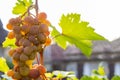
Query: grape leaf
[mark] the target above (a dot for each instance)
(72, 26)
(21, 6)
(3, 65)
(76, 32)
(59, 39)
(9, 43)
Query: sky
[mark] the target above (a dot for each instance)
(102, 15)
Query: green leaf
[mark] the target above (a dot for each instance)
(76, 32)
(49, 75)
(58, 37)
(86, 78)
(3, 65)
(21, 6)
(9, 43)
(72, 26)
(101, 70)
(116, 77)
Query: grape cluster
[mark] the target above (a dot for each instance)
(31, 34)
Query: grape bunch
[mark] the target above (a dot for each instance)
(32, 35)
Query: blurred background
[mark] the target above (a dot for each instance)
(72, 59)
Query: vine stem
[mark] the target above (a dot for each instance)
(36, 7)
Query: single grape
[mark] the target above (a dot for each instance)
(23, 57)
(21, 63)
(16, 56)
(32, 56)
(41, 69)
(42, 16)
(34, 73)
(24, 71)
(26, 43)
(18, 36)
(11, 35)
(19, 49)
(15, 62)
(28, 20)
(10, 73)
(41, 37)
(28, 50)
(9, 26)
(43, 28)
(17, 76)
(34, 30)
(25, 28)
(11, 52)
(16, 29)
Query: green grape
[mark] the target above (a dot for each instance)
(17, 76)
(43, 28)
(42, 16)
(41, 37)
(18, 36)
(28, 20)
(31, 38)
(26, 43)
(16, 29)
(24, 71)
(28, 50)
(23, 57)
(34, 30)
(21, 63)
(32, 56)
(25, 29)
(19, 49)
(16, 56)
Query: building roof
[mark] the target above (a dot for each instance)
(102, 50)
(116, 45)
(3, 33)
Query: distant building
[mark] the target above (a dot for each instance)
(3, 34)
(72, 59)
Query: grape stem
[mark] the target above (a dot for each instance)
(28, 11)
(37, 59)
(36, 7)
(41, 58)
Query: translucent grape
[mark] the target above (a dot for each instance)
(42, 16)
(11, 35)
